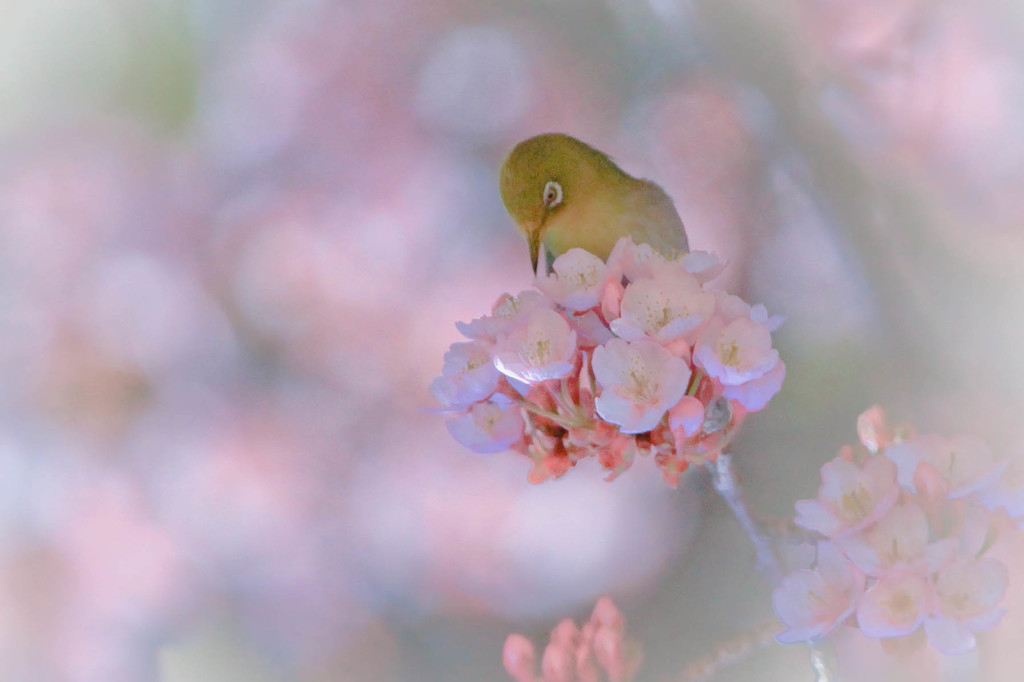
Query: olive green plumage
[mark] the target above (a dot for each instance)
(565, 194)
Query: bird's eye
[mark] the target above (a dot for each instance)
(552, 194)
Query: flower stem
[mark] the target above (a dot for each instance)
(698, 376)
(728, 652)
(541, 412)
(723, 475)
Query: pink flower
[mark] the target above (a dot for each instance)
(737, 352)
(850, 497)
(964, 463)
(703, 265)
(541, 349)
(894, 607)
(578, 280)
(633, 261)
(640, 381)
(490, 426)
(665, 307)
(468, 375)
(811, 603)
(898, 542)
(968, 594)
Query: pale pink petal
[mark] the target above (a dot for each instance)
(971, 588)
(906, 455)
(737, 352)
(965, 462)
(893, 607)
(811, 603)
(705, 266)
(856, 496)
(542, 349)
(755, 394)
(949, 636)
(578, 280)
(491, 426)
(974, 530)
(939, 554)
(812, 515)
(468, 375)
(759, 314)
(837, 570)
(506, 313)
(640, 381)
(929, 483)
(897, 541)
(665, 307)
(809, 606)
(590, 330)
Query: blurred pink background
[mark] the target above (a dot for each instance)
(234, 241)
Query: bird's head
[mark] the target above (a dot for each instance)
(544, 176)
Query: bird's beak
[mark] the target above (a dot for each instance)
(534, 239)
(533, 235)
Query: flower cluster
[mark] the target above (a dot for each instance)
(578, 653)
(636, 355)
(906, 529)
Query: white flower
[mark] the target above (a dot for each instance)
(664, 307)
(577, 282)
(850, 497)
(898, 542)
(468, 375)
(640, 381)
(968, 592)
(538, 350)
(965, 463)
(894, 607)
(737, 352)
(811, 603)
(490, 426)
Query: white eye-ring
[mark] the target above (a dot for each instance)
(552, 194)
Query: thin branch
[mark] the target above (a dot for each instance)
(723, 475)
(728, 652)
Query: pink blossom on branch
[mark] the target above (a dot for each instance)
(578, 280)
(812, 603)
(489, 426)
(539, 348)
(851, 496)
(917, 539)
(640, 381)
(601, 362)
(968, 593)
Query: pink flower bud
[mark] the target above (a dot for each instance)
(519, 658)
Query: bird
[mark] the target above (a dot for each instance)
(563, 193)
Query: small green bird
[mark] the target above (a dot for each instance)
(567, 194)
